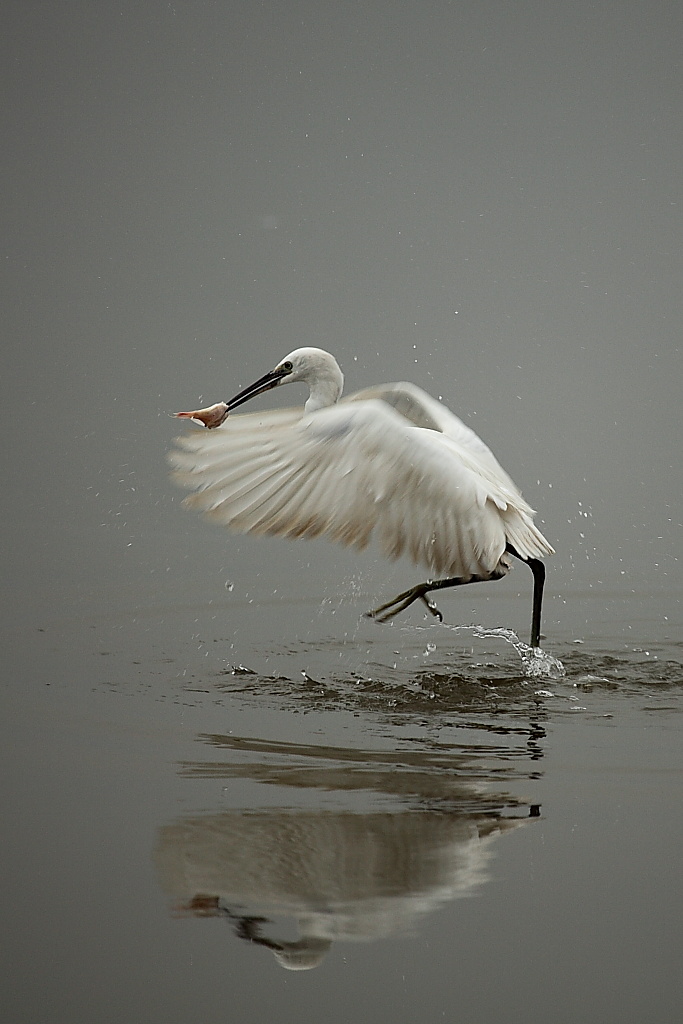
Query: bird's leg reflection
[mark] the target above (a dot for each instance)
(387, 611)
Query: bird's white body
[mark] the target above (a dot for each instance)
(389, 461)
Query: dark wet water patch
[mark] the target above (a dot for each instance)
(508, 678)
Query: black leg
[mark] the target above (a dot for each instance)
(538, 571)
(387, 611)
(402, 601)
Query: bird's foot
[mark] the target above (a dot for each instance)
(387, 611)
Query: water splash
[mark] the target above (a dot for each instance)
(536, 663)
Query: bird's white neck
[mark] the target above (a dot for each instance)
(326, 389)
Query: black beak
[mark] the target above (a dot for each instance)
(265, 383)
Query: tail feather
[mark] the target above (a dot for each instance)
(525, 537)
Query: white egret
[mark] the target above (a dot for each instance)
(389, 460)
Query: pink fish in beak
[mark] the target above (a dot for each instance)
(210, 417)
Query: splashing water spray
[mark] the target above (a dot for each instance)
(536, 663)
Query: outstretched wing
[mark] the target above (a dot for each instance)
(423, 410)
(348, 472)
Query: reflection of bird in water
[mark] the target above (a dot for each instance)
(339, 876)
(302, 955)
(389, 460)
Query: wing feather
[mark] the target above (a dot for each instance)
(355, 470)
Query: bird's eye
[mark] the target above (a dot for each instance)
(287, 365)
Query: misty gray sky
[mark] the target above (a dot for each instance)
(483, 197)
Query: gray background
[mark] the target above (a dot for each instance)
(483, 198)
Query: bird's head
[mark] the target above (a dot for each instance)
(313, 366)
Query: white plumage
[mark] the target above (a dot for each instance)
(389, 462)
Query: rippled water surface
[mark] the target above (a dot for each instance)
(235, 808)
